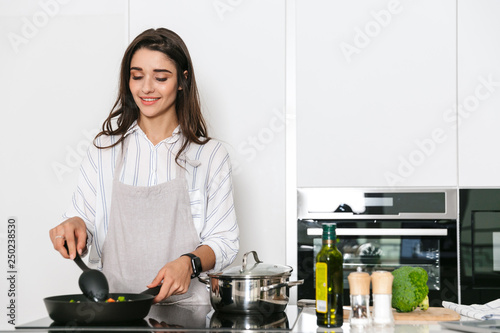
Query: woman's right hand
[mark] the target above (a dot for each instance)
(73, 232)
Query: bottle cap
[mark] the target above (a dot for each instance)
(359, 283)
(382, 282)
(328, 231)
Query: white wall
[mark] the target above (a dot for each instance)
(59, 64)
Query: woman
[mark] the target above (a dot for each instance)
(154, 199)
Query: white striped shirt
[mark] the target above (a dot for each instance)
(208, 172)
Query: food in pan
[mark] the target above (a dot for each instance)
(119, 299)
(109, 300)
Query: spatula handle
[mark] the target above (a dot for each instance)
(78, 260)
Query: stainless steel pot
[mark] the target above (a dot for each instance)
(260, 288)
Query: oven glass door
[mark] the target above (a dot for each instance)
(479, 245)
(386, 245)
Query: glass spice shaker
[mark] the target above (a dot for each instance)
(359, 289)
(382, 298)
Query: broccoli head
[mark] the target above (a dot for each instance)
(425, 303)
(409, 288)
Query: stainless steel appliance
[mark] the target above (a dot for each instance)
(480, 245)
(382, 229)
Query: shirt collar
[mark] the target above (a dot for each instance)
(176, 134)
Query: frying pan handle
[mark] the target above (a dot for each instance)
(279, 285)
(152, 291)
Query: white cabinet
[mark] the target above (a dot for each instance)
(238, 52)
(478, 93)
(376, 85)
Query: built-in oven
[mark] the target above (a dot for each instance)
(382, 229)
(480, 245)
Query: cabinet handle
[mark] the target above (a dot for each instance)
(382, 232)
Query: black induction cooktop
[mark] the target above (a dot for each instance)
(181, 319)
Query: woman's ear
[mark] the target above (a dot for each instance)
(185, 73)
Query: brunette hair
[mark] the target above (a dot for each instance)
(187, 104)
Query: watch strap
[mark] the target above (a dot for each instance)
(195, 264)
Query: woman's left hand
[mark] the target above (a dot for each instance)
(176, 277)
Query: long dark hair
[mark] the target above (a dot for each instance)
(187, 104)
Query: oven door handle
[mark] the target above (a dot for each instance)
(382, 232)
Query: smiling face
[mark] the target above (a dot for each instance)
(153, 84)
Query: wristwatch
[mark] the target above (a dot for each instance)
(195, 264)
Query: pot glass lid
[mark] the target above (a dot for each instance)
(257, 269)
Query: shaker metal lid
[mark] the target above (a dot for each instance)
(256, 270)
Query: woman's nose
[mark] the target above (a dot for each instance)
(148, 86)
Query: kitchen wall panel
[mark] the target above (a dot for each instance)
(238, 52)
(59, 64)
(375, 83)
(478, 93)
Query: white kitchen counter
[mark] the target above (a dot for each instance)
(307, 323)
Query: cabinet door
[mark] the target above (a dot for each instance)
(478, 93)
(238, 52)
(376, 85)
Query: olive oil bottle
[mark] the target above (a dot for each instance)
(329, 281)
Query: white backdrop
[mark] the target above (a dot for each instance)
(59, 64)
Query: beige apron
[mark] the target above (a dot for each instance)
(149, 227)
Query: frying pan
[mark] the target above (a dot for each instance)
(79, 309)
(86, 312)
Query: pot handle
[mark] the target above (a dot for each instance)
(244, 261)
(206, 280)
(279, 285)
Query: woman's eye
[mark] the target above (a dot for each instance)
(161, 79)
(136, 77)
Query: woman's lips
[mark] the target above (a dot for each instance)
(149, 100)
